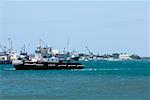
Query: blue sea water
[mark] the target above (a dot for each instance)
(99, 80)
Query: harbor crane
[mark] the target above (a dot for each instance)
(91, 54)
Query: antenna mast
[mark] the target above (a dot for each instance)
(11, 44)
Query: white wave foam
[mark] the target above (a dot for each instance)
(104, 69)
(9, 69)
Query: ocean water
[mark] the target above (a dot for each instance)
(99, 80)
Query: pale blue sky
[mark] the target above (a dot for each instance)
(103, 26)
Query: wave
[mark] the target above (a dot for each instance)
(105, 69)
(86, 69)
(9, 69)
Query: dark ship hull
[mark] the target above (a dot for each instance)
(5, 61)
(75, 58)
(48, 66)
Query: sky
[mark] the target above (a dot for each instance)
(106, 27)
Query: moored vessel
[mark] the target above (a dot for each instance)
(29, 65)
(46, 58)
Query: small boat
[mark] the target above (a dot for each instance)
(5, 58)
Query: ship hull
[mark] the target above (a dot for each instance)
(48, 66)
(5, 62)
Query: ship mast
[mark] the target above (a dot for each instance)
(11, 45)
(67, 47)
